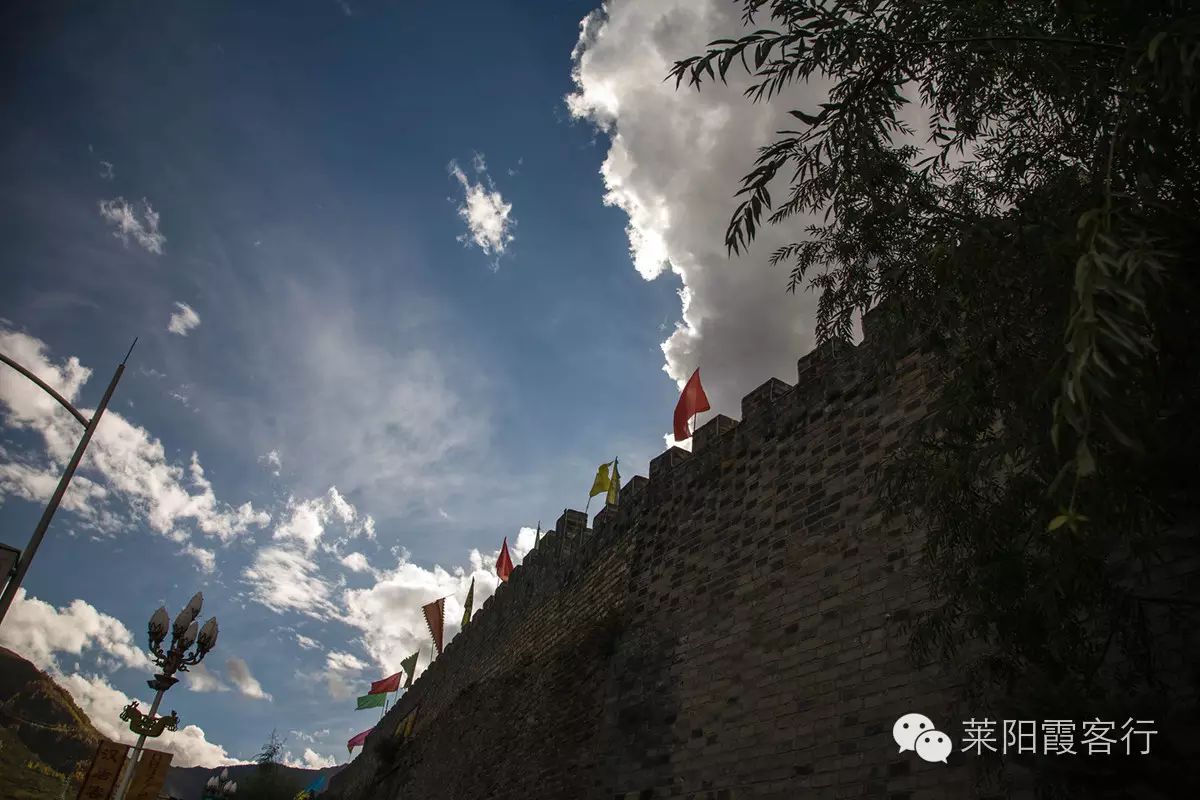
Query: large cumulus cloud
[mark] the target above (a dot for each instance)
(674, 162)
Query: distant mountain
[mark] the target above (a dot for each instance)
(45, 740)
(187, 783)
(45, 736)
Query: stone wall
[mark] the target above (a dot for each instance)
(733, 631)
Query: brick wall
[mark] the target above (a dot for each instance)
(732, 632)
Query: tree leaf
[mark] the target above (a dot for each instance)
(806, 118)
(1154, 43)
(1085, 463)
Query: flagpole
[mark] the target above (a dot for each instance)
(612, 478)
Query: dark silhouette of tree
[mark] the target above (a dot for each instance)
(269, 782)
(1041, 240)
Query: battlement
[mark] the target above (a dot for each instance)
(830, 372)
(725, 498)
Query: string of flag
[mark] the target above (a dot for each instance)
(692, 401)
(377, 696)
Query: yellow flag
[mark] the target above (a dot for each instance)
(601, 484)
(614, 486)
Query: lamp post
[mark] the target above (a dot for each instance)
(177, 658)
(16, 563)
(219, 787)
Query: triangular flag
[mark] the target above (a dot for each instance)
(384, 685)
(358, 740)
(504, 565)
(409, 665)
(601, 484)
(691, 402)
(406, 725)
(614, 486)
(470, 602)
(435, 618)
(371, 701)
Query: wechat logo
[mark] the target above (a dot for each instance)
(917, 732)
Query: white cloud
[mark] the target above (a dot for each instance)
(273, 460)
(389, 612)
(307, 642)
(36, 483)
(311, 738)
(675, 159)
(307, 520)
(392, 415)
(314, 760)
(356, 562)
(306, 523)
(102, 703)
(106, 170)
(205, 559)
(310, 760)
(342, 672)
(345, 662)
(283, 579)
(124, 463)
(38, 630)
(201, 679)
(143, 230)
(183, 319)
(238, 673)
(489, 219)
(344, 510)
(286, 576)
(237, 676)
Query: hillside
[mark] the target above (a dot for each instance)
(188, 783)
(45, 737)
(23, 776)
(42, 725)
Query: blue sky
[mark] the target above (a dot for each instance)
(401, 277)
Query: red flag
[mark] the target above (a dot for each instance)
(435, 617)
(504, 565)
(691, 402)
(358, 740)
(385, 685)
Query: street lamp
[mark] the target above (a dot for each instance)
(14, 563)
(177, 658)
(219, 787)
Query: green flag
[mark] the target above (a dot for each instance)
(371, 701)
(470, 602)
(409, 665)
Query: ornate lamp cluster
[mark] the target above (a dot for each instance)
(190, 643)
(184, 633)
(220, 787)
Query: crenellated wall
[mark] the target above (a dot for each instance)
(733, 630)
